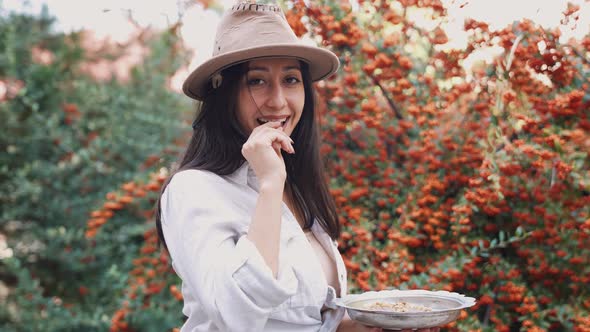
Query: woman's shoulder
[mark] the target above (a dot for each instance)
(195, 175)
(195, 180)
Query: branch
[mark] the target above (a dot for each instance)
(580, 55)
(398, 114)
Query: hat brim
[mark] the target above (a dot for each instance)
(322, 63)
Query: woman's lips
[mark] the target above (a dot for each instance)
(282, 120)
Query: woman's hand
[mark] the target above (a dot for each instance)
(363, 328)
(262, 150)
(349, 325)
(432, 329)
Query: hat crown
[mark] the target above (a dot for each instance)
(252, 30)
(249, 24)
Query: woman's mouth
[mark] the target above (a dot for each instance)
(282, 120)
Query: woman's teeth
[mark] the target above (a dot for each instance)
(263, 121)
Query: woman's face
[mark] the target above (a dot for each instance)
(271, 90)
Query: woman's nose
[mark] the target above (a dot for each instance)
(276, 97)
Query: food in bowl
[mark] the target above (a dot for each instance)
(397, 307)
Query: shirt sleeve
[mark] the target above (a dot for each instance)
(205, 234)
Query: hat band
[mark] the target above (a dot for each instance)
(256, 7)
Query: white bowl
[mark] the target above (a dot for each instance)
(445, 308)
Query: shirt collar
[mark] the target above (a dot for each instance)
(240, 176)
(244, 175)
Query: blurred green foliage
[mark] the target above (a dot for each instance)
(66, 140)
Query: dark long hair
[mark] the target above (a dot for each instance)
(216, 147)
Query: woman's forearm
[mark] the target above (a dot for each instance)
(265, 228)
(345, 325)
(348, 325)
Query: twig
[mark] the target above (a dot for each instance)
(389, 147)
(580, 55)
(398, 114)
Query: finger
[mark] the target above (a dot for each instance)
(274, 124)
(280, 130)
(280, 141)
(258, 131)
(277, 147)
(271, 124)
(273, 139)
(284, 143)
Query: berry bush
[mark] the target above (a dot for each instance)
(473, 179)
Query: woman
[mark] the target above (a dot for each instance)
(248, 218)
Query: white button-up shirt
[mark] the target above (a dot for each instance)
(226, 283)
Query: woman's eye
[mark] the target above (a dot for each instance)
(255, 81)
(292, 80)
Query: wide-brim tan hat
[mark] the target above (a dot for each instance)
(251, 31)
